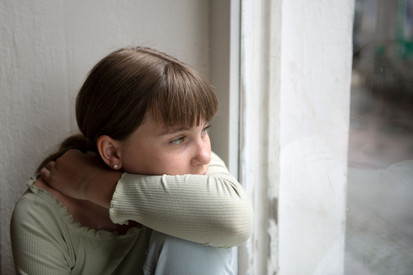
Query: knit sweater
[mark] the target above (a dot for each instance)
(210, 209)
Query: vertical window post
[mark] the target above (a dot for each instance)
(295, 87)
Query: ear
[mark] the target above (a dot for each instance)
(109, 150)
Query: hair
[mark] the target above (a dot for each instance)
(130, 83)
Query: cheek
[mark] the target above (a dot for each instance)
(139, 159)
(156, 161)
(173, 164)
(208, 143)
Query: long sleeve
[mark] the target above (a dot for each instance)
(47, 240)
(37, 241)
(211, 209)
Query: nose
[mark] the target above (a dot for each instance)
(202, 152)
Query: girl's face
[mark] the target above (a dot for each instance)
(154, 149)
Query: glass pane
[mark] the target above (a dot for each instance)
(379, 230)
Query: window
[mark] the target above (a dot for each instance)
(379, 227)
(317, 79)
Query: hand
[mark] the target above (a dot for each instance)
(81, 176)
(85, 212)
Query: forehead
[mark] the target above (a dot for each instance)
(158, 127)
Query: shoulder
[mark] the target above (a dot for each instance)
(38, 218)
(29, 200)
(36, 208)
(37, 231)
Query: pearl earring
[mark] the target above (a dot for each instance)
(115, 166)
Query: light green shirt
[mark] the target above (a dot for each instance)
(212, 210)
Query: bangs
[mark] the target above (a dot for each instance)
(183, 98)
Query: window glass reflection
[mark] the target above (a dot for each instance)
(379, 231)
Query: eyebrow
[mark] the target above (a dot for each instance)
(169, 131)
(172, 130)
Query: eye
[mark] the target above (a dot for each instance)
(205, 129)
(178, 140)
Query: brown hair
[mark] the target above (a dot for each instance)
(128, 83)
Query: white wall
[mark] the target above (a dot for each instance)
(46, 49)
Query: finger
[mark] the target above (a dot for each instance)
(50, 165)
(45, 174)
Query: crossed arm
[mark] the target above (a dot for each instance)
(211, 209)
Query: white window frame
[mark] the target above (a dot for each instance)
(288, 65)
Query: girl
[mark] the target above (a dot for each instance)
(147, 114)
